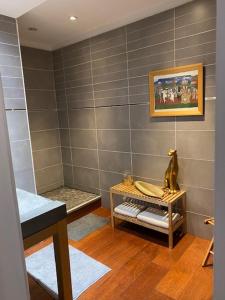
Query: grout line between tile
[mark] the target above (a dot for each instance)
(95, 117)
(57, 115)
(68, 119)
(27, 119)
(129, 112)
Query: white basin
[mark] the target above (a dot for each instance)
(149, 189)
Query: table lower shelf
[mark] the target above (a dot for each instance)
(148, 225)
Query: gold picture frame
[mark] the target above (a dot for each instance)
(176, 91)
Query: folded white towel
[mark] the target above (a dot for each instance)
(157, 217)
(129, 209)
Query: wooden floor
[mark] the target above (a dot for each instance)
(142, 266)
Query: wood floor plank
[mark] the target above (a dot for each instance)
(178, 277)
(123, 274)
(144, 285)
(196, 291)
(167, 257)
(142, 269)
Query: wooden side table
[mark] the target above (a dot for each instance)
(41, 218)
(168, 201)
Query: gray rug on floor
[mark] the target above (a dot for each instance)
(85, 270)
(85, 225)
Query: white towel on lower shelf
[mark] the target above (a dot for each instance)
(157, 217)
(129, 209)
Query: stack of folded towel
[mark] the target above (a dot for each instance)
(151, 215)
(129, 209)
(158, 217)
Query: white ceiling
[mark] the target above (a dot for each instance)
(94, 17)
(16, 8)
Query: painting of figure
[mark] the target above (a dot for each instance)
(177, 91)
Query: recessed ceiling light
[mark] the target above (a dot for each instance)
(32, 29)
(73, 18)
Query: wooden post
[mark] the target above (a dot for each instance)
(60, 240)
(170, 226)
(112, 209)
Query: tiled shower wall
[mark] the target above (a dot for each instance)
(43, 118)
(11, 76)
(103, 100)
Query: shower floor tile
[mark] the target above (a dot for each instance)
(74, 199)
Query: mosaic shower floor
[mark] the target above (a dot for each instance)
(73, 198)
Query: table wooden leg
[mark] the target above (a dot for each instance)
(112, 210)
(60, 240)
(170, 226)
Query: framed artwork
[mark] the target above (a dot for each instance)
(177, 91)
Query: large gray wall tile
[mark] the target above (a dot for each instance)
(151, 40)
(21, 155)
(195, 12)
(8, 27)
(152, 142)
(40, 99)
(38, 79)
(199, 200)
(85, 158)
(115, 161)
(149, 166)
(65, 137)
(196, 144)
(25, 180)
(17, 125)
(206, 122)
(148, 22)
(66, 155)
(8, 71)
(116, 117)
(9, 49)
(45, 139)
(114, 140)
(42, 120)
(68, 175)
(140, 119)
(49, 178)
(63, 118)
(197, 173)
(47, 157)
(36, 58)
(15, 104)
(82, 118)
(196, 39)
(105, 199)
(196, 226)
(195, 28)
(109, 179)
(83, 138)
(86, 179)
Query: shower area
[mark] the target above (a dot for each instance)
(64, 168)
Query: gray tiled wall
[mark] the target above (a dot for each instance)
(15, 104)
(43, 118)
(103, 102)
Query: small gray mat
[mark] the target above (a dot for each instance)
(85, 225)
(85, 270)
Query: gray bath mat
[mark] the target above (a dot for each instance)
(85, 225)
(85, 270)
